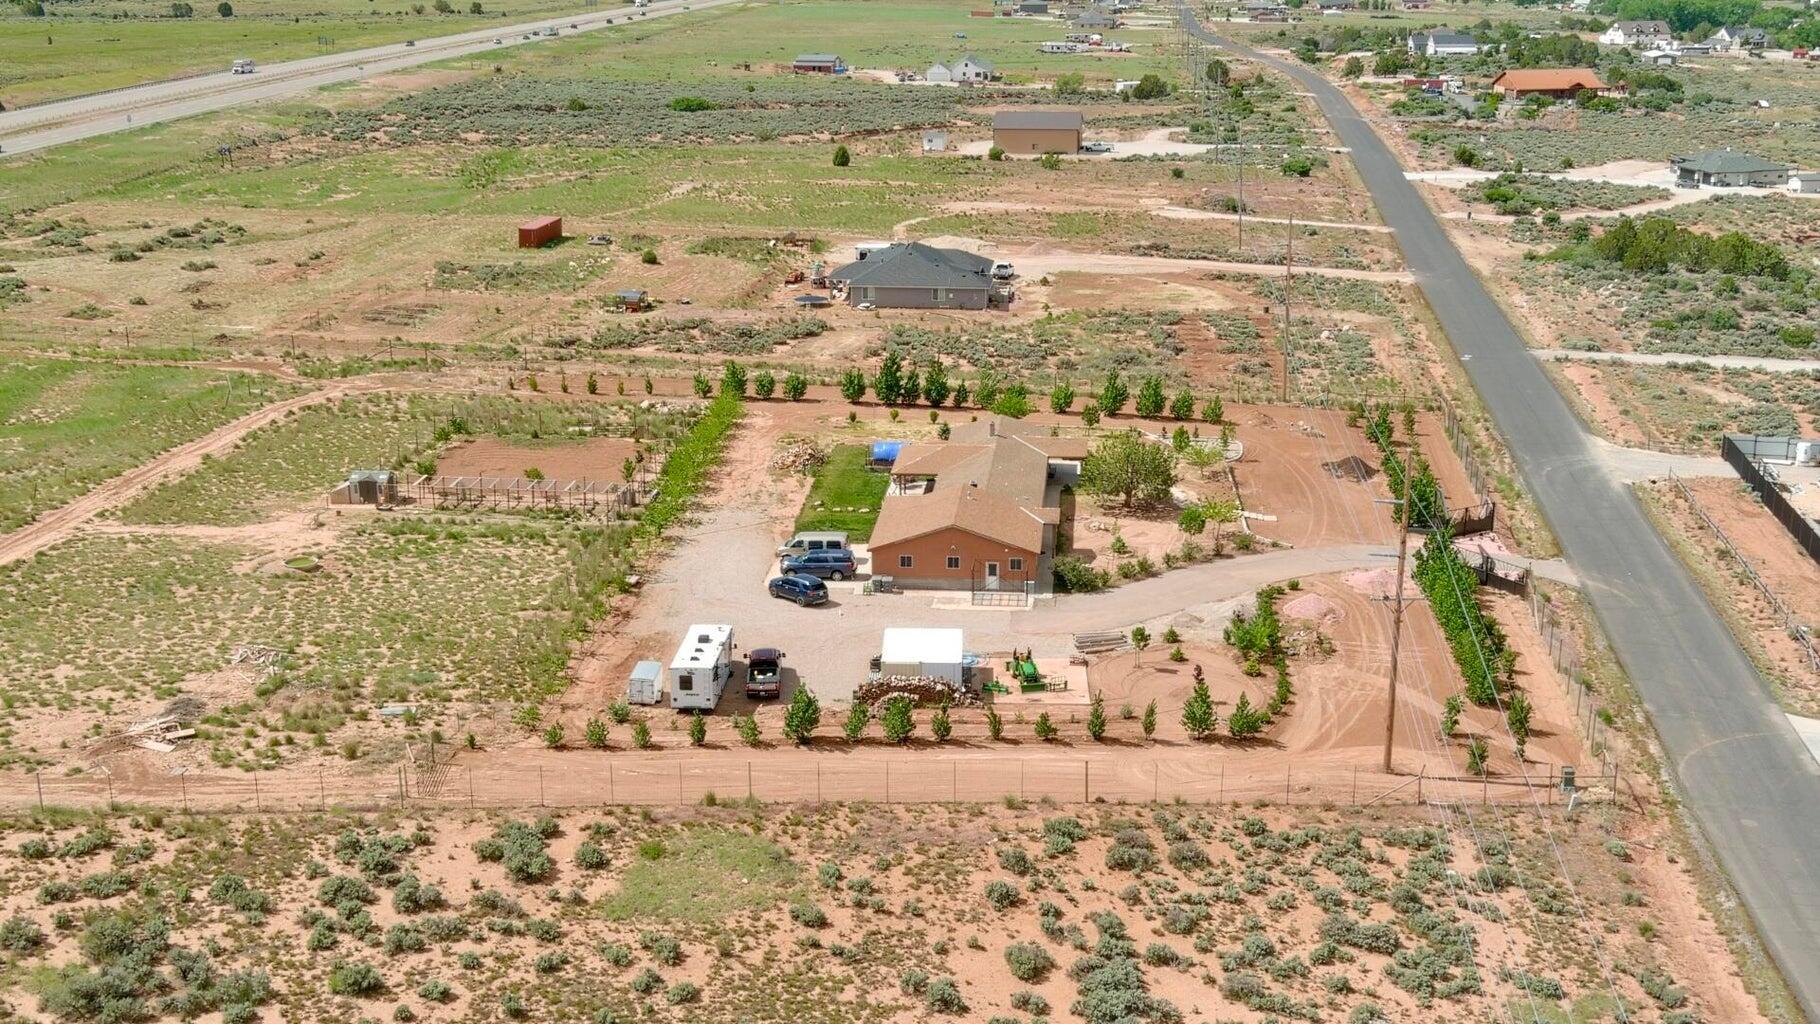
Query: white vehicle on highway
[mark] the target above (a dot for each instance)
(242, 67)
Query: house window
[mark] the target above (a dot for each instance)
(954, 561)
(1017, 565)
(905, 561)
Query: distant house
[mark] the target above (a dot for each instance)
(1033, 7)
(1443, 44)
(1094, 17)
(1804, 182)
(1660, 58)
(1738, 37)
(1335, 6)
(1637, 33)
(911, 275)
(1554, 83)
(967, 69)
(819, 63)
(1037, 131)
(1728, 168)
(978, 511)
(1416, 5)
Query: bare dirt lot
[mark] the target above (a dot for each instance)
(599, 458)
(873, 914)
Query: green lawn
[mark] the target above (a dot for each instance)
(704, 875)
(844, 482)
(85, 45)
(66, 426)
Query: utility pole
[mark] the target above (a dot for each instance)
(1396, 615)
(1288, 258)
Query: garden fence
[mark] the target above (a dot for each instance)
(586, 780)
(1795, 627)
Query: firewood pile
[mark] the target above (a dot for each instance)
(924, 690)
(258, 656)
(798, 455)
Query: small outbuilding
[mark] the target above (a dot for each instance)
(369, 487)
(632, 300)
(1037, 131)
(819, 63)
(1033, 7)
(534, 234)
(645, 684)
(1804, 182)
(926, 652)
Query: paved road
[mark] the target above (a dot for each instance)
(1743, 772)
(52, 124)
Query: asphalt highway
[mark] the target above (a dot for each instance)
(51, 124)
(1750, 784)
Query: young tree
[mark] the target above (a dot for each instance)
(596, 734)
(1149, 397)
(941, 725)
(1245, 720)
(987, 388)
(1517, 713)
(853, 384)
(1192, 521)
(1214, 410)
(1450, 714)
(995, 726)
(1181, 440)
(641, 734)
(1477, 754)
(1127, 465)
(593, 384)
(1096, 717)
(1090, 414)
(698, 729)
(702, 385)
(748, 729)
(841, 156)
(803, 716)
(1149, 720)
(888, 384)
(552, 736)
(795, 386)
(961, 394)
(1061, 397)
(1045, 729)
(1353, 68)
(857, 718)
(1219, 513)
(1114, 393)
(1181, 407)
(935, 384)
(911, 388)
(732, 379)
(1198, 717)
(896, 718)
(1218, 72)
(225, 9)
(1140, 637)
(764, 385)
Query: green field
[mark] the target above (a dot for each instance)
(66, 426)
(844, 482)
(83, 46)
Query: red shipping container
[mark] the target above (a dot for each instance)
(541, 231)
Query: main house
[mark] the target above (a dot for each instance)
(1637, 33)
(978, 511)
(968, 69)
(1555, 83)
(911, 275)
(819, 63)
(1443, 44)
(1728, 168)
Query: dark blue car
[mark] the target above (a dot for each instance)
(804, 590)
(833, 564)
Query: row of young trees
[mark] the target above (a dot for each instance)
(1427, 510)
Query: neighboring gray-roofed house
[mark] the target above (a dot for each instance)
(911, 275)
(1095, 18)
(1729, 168)
(1033, 7)
(968, 69)
(1741, 37)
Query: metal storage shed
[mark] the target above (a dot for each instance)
(931, 653)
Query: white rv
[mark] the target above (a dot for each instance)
(701, 668)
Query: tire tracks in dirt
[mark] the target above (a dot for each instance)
(62, 523)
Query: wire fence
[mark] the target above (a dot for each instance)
(1793, 625)
(679, 781)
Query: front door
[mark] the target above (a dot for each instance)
(991, 575)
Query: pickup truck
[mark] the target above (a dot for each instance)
(764, 673)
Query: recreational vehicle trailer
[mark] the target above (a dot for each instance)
(701, 668)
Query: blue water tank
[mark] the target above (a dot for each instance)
(886, 451)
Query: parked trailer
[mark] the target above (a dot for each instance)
(701, 668)
(646, 683)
